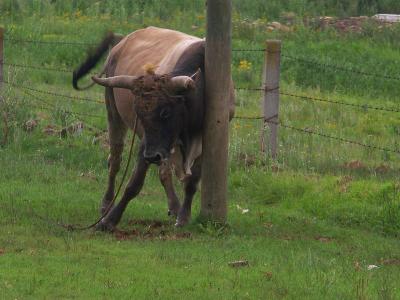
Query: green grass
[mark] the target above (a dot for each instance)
(304, 237)
(317, 217)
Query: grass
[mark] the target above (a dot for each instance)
(304, 237)
(309, 224)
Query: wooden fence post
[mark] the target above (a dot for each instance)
(3, 114)
(1, 59)
(271, 75)
(216, 120)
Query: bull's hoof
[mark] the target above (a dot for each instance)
(173, 210)
(105, 226)
(183, 219)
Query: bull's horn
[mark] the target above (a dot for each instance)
(181, 83)
(121, 81)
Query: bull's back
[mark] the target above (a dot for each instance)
(159, 47)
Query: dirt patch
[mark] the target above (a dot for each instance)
(267, 275)
(151, 230)
(248, 159)
(30, 125)
(344, 183)
(355, 165)
(324, 239)
(383, 169)
(391, 262)
(2, 251)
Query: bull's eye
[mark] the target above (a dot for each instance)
(165, 113)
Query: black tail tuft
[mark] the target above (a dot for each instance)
(93, 58)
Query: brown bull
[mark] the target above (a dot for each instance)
(167, 96)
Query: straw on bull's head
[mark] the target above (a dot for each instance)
(158, 102)
(150, 84)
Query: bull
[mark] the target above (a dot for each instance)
(157, 76)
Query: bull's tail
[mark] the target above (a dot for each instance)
(93, 58)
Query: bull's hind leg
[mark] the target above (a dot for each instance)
(133, 188)
(191, 184)
(116, 133)
(165, 175)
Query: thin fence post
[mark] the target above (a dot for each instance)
(1, 59)
(271, 76)
(3, 113)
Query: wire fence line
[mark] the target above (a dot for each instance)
(291, 57)
(42, 68)
(60, 70)
(337, 67)
(338, 102)
(72, 43)
(53, 93)
(320, 134)
(50, 106)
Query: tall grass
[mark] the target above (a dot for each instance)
(167, 9)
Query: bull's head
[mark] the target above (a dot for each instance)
(159, 105)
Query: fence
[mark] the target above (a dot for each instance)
(270, 90)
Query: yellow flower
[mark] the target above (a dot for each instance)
(244, 65)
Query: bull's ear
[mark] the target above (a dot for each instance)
(196, 76)
(181, 84)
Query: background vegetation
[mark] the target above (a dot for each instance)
(310, 224)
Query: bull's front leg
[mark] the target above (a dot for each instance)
(133, 188)
(191, 184)
(165, 175)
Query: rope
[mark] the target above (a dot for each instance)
(74, 227)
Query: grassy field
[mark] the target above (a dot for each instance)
(311, 225)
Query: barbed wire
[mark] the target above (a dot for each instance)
(248, 118)
(363, 106)
(248, 89)
(52, 106)
(291, 57)
(61, 70)
(337, 67)
(30, 41)
(248, 50)
(324, 135)
(17, 40)
(338, 102)
(42, 68)
(53, 93)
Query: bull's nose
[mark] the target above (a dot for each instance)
(154, 158)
